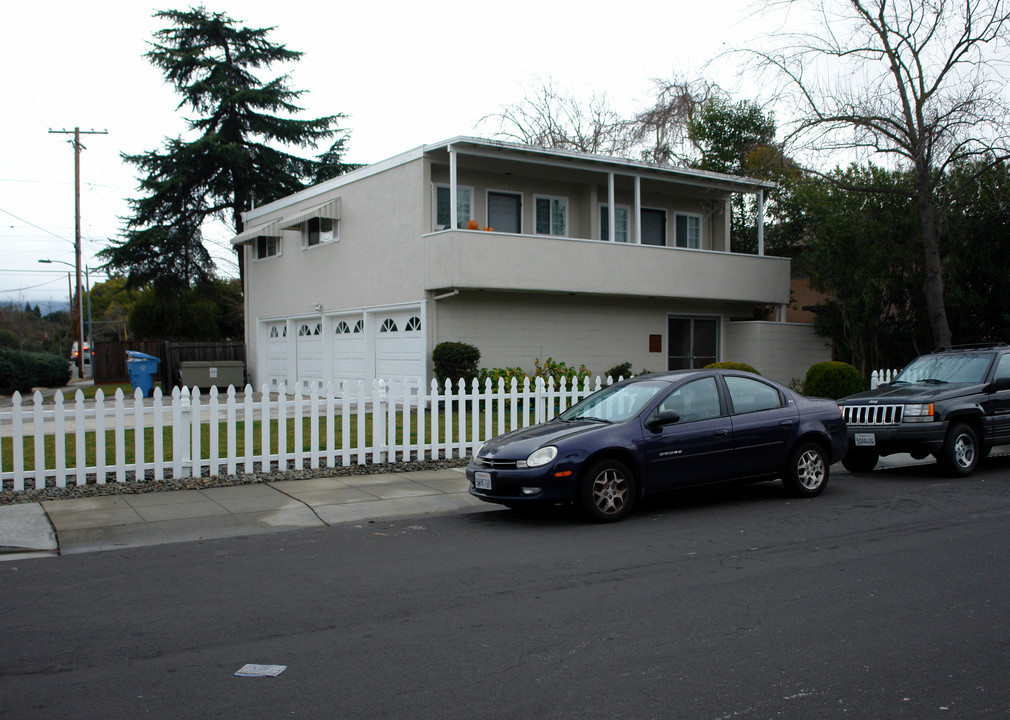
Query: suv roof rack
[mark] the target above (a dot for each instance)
(971, 346)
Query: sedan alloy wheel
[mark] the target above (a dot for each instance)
(609, 491)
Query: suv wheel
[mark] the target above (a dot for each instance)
(961, 452)
(860, 461)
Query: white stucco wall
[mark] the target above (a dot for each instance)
(780, 351)
(514, 329)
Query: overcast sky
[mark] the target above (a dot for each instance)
(406, 74)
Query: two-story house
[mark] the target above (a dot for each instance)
(521, 251)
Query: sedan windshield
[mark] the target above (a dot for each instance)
(955, 368)
(616, 403)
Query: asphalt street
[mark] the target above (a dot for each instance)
(886, 597)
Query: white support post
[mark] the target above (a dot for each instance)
(452, 187)
(761, 221)
(611, 212)
(638, 210)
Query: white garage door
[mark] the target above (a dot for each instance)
(399, 346)
(309, 353)
(348, 350)
(277, 353)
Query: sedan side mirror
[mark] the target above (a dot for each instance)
(1002, 383)
(662, 419)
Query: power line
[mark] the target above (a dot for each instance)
(37, 227)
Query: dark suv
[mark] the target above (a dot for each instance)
(953, 404)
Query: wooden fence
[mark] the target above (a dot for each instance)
(190, 434)
(109, 364)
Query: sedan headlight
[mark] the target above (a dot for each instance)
(540, 457)
(918, 412)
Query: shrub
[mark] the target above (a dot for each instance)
(832, 380)
(618, 371)
(453, 361)
(504, 373)
(21, 371)
(557, 370)
(744, 367)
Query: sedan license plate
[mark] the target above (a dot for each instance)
(865, 439)
(482, 480)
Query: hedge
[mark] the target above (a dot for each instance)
(833, 380)
(20, 371)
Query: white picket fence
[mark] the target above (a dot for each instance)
(879, 377)
(204, 432)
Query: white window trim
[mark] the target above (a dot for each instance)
(550, 214)
(304, 231)
(522, 206)
(701, 230)
(599, 216)
(666, 225)
(434, 205)
(255, 248)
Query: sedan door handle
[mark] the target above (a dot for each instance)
(786, 423)
(721, 433)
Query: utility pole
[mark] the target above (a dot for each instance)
(77, 132)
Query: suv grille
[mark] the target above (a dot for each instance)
(872, 414)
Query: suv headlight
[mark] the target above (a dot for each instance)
(918, 412)
(540, 457)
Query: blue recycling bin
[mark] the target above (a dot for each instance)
(142, 368)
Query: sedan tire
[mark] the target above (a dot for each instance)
(807, 474)
(608, 491)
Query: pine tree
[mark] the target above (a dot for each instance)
(233, 156)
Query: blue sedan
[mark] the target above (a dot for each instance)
(662, 432)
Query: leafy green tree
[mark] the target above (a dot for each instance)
(862, 251)
(976, 252)
(739, 139)
(919, 83)
(232, 161)
(111, 304)
(212, 311)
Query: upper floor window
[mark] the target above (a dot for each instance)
(688, 231)
(464, 206)
(653, 227)
(319, 230)
(620, 223)
(552, 216)
(267, 246)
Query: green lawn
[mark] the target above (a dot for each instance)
(129, 445)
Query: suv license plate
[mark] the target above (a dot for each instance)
(482, 480)
(865, 439)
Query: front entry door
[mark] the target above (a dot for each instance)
(693, 342)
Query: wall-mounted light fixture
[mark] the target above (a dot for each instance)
(318, 307)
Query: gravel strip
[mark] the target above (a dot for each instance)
(134, 487)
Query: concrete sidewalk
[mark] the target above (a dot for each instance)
(63, 527)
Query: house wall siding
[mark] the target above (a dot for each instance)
(780, 351)
(514, 329)
(375, 262)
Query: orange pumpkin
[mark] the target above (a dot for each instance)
(472, 225)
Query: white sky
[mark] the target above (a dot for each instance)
(406, 74)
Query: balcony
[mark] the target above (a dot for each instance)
(464, 259)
